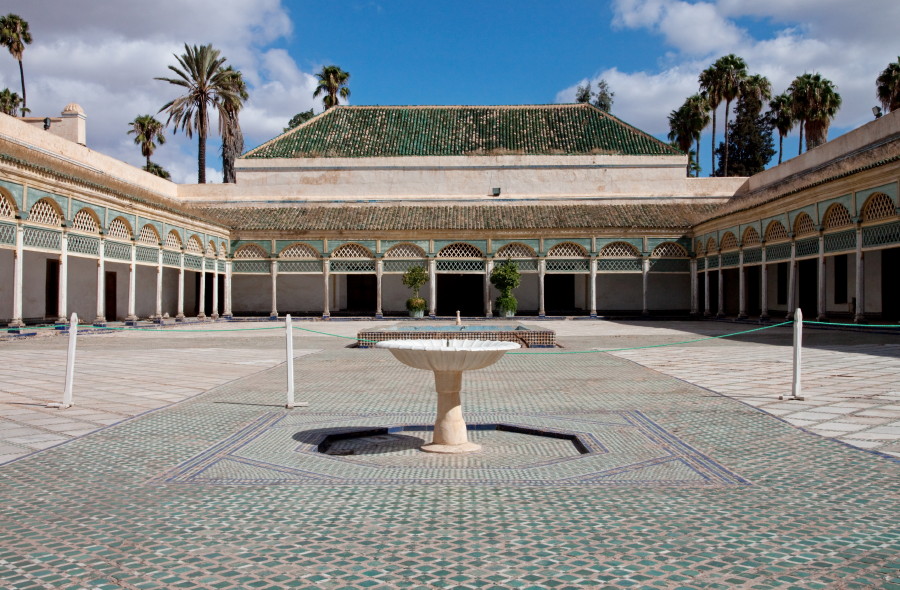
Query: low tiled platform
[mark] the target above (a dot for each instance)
(227, 490)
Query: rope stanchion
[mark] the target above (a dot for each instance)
(852, 325)
(70, 366)
(798, 347)
(289, 340)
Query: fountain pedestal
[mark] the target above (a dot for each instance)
(448, 359)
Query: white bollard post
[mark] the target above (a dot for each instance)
(289, 336)
(289, 339)
(798, 347)
(70, 366)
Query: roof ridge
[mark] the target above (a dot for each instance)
(290, 131)
(461, 106)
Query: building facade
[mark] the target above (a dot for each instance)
(598, 216)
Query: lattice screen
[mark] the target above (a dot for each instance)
(669, 250)
(7, 210)
(44, 213)
(299, 251)
(516, 250)
(211, 249)
(729, 242)
(193, 245)
(878, 206)
(837, 216)
(250, 251)
(146, 254)
(619, 250)
(710, 246)
(42, 238)
(698, 247)
(803, 225)
(840, 241)
(775, 232)
(148, 236)
(567, 249)
(85, 222)
(460, 250)
(117, 250)
(751, 237)
(222, 250)
(405, 251)
(173, 240)
(352, 251)
(119, 229)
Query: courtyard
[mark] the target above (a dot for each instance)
(178, 466)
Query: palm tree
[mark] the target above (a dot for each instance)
(685, 125)
(208, 85)
(333, 82)
(148, 133)
(887, 86)
(697, 109)
(230, 126)
(781, 115)
(815, 101)
(711, 89)
(733, 72)
(756, 88)
(10, 102)
(680, 131)
(14, 35)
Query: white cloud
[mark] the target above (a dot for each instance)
(105, 55)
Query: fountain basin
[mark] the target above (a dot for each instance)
(448, 359)
(527, 336)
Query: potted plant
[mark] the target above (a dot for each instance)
(414, 278)
(505, 277)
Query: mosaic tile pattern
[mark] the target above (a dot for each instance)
(92, 513)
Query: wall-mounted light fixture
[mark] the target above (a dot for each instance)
(495, 191)
(46, 123)
(877, 112)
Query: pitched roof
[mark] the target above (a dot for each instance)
(376, 131)
(374, 218)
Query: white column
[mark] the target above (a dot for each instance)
(645, 273)
(326, 288)
(488, 268)
(159, 284)
(132, 278)
(379, 270)
(179, 315)
(63, 279)
(820, 307)
(17, 279)
(228, 313)
(707, 306)
(792, 282)
(432, 286)
(274, 313)
(101, 285)
(860, 315)
(201, 295)
(592, 289)
(721, 291)
(742, 294)
(764, 286)
(542, 271)
(695, 303)
(215, 290)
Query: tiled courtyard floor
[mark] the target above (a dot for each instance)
(680, 487)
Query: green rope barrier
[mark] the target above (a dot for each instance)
(580, 351)
(853, 325)
(139, 328)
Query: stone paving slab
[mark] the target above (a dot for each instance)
(98, 513)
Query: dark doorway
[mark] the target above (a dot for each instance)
(752, 282)
(559, 294)
(361, 294)
(51, 293)
(109, 295)
(731, 283)
(208, 294)
(464, 293)
(890, 284)
(221, 293)
(808, 287)
(714, 292)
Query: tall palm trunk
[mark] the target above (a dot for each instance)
(780, 147)
(800, 147)
(697, 155)
(201, 145)
(22, 78)
(712, 143)
(727, 111)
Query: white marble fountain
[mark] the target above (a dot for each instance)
(448, 359)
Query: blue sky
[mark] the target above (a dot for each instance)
(104, 55)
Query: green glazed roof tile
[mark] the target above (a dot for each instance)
(364, 131)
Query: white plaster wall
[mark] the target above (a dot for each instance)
(297, 293)
(669, 292)
(619, 292)
(527, 293)
(394, 294)
(582, 295)
(145, 291)
(34, 278)
(250, 294)
(873, 281)
(170, 291)
(7, 268)
(82, 288)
